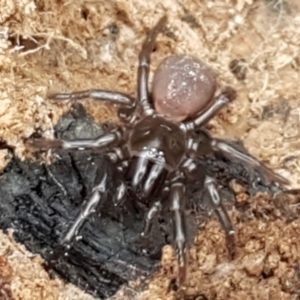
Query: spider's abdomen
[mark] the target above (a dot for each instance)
(157, 146)
(182, 87)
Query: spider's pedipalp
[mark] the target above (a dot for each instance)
(146, 177)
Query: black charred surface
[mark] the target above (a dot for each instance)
(40, 202)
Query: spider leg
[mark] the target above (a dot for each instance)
(152, 213)
(204, 144)
(222, 100)
(120, 194)
(127, 103)
(177, 197)
(196, 174)
(118, 157)
(220, 211)
(144, 63)
(89, 207)
(95, 94)
(251, 164)
(101, 142)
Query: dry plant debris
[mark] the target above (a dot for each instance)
(66, 45)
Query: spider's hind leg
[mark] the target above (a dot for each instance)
(259, 176)
(210, 196)
(96, 94)
(178, 206)
(144, 67)
(257, 171)
(216, 204)
(127, 103)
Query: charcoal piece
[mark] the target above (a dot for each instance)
(39, 202)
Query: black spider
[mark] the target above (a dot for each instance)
(156, 151)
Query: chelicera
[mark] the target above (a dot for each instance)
(156, 149)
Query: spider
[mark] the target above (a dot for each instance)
(157, 147)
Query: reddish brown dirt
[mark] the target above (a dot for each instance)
(63, 46)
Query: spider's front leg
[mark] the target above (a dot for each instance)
(127, 103)
(95, 94)
(96, 199)
(102, 142)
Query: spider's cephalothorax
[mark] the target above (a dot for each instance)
(156, 151)
(158, 146)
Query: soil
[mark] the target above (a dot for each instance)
(253, 46)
